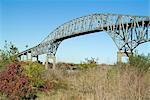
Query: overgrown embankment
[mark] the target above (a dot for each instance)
(85, 81)
(128, 81)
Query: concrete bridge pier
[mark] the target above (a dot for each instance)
(53, 58)
(46, 63)
(53, 61)
(30, 58)
(36, 57)
(26, 56)
(23, 57)
(120, 54)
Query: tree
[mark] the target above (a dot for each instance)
(8, 53)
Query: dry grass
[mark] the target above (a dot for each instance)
(99, 84)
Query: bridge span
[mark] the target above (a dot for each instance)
(126, 31)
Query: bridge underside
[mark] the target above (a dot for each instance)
(126, 31)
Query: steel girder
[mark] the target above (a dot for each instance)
(126, 31)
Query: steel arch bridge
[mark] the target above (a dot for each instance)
(126, 31)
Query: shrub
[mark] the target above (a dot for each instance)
(14, 84)
(36, 72)
(47, 86)
(140, 62)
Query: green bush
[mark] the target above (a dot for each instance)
(140, 62)
(35, 71)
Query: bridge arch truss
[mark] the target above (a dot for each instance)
(126, 31)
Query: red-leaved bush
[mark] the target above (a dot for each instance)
(14, 84)
(46, 87)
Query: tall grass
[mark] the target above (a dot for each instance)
(100, 83)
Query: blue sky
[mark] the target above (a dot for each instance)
(28, 22)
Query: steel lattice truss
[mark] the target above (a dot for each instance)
(126, 31)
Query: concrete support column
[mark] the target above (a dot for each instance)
(23, 57)
(53, 58)
(120, 54)
(46, 63)
(26, 56)
(31, 58)
(54, 61)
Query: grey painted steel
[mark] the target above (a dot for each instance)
(126, 31)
